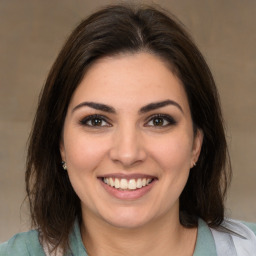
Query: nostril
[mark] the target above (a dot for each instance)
(127, 157)
(127, 147)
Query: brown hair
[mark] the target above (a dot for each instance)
(113, 30)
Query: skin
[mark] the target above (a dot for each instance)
(129, 142)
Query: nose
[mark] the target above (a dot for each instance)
(127, 147)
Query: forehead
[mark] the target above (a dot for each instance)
(136, 79)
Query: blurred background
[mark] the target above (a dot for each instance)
(31, 35)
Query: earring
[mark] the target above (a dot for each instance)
(193, 165)
(64, 165)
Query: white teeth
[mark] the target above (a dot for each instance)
(117, 185)
(125, 184)
(112, 183)
(148, 181)
(132, 184)
(139, 183)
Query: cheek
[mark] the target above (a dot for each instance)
(83, 152)
(173, 157)
(173, 153)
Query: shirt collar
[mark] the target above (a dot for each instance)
(205, 244)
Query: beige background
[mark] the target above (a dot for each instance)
(31, 34)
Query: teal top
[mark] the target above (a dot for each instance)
(27, 243)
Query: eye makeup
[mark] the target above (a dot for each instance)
(154, 121)
(160, 121)
(95, 121)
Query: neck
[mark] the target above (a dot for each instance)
(163, 236)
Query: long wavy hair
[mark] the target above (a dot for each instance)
(54, 205)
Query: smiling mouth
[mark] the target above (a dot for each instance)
(127, 184)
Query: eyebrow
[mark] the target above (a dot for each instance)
(97, 106)
(156, 105)
(145, 109)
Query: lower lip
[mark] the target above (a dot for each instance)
(128, 194)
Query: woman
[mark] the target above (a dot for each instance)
(128, 155)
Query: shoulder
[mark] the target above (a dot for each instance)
(22, 244)
(237, 227)
(242, 228)
(251, 226)
(237, 233)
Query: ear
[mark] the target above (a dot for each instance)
(197, 145)
(62, 150)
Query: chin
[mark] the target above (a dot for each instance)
(127, 219)
(126, 223)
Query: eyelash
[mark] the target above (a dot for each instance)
(165, 118)
(90, 118)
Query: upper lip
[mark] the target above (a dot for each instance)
(127, 176)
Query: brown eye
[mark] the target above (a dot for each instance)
(94, 121)
(158, 121)
(161, 121)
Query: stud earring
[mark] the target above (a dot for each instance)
(64, 165)
(193, 165)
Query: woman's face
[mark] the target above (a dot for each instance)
(128, 141)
